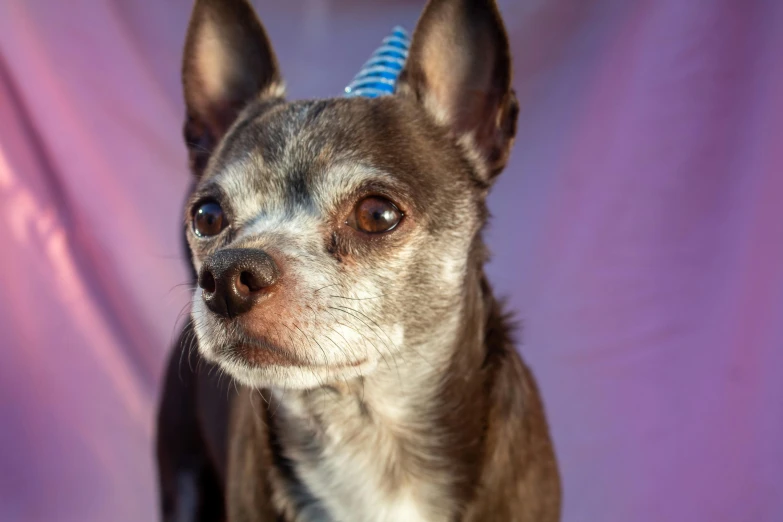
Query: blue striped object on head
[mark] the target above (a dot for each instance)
(378, 76)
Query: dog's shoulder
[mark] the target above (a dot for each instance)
(519, 477)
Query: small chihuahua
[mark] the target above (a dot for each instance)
(338, 250)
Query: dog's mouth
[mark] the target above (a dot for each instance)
(261, 353)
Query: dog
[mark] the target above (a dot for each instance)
(352, 363)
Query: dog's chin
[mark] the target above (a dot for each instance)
(265, 366)
(292, 377)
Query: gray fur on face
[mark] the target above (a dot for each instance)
(287, 177)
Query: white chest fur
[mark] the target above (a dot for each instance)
(362, 462)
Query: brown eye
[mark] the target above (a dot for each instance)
(375, 215)
(208, 219)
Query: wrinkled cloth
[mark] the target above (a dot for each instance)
(638, 233)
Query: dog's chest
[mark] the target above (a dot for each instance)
(353, 469)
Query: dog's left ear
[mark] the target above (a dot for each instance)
(228, 62)
(459, 70)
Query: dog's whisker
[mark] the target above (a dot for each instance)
(324, 287)
(341, 349)
(353, 313)
(364, 337)
(409, 346)
(253, 406)
(190, 285)
(358, 298)
(198, 147)
(280, 400)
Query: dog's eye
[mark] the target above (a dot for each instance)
(375, 215)
(208, 219)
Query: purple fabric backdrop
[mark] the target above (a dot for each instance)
(638, 231)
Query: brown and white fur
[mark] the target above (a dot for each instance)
(375, 379)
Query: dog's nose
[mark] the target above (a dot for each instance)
(232, 280)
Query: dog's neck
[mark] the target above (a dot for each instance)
(402, 444)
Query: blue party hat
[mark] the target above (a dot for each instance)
(378, 76)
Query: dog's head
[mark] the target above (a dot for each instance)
(332, 236)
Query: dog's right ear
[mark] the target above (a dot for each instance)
(228, 62)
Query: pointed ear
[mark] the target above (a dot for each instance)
(228, 62)
(459, 70)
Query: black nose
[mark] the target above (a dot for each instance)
(233, 279)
